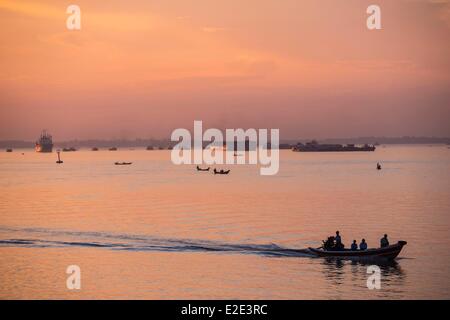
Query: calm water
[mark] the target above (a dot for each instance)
(158, 231)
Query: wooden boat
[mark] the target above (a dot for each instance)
(386, 253)
(122, 163)
(221, 171)
(202, 169)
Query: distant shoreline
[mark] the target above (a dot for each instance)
(286, 143)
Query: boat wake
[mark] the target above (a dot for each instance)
(50, 238)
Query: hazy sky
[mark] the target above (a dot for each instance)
(145, 67)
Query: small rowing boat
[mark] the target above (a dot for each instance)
(387, 253)
(221, 171)
(123, 163)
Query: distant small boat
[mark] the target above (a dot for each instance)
(203, 169)
(122, 163)
(71, 149)
(112, 149)
(9, 150)
(161, 148)
(221, 171)
(150, 148)
(94, 149)
(387, 253)
(59, 159)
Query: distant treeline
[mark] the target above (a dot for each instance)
(122, 143)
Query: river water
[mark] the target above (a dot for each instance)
(153, 230)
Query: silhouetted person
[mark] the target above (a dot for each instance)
(384, 242)
(354, 246)
(338, 245)
(378, 166)
(363, 245)
(329, 244)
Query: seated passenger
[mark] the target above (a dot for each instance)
(384, 242)
(354, 246)
(328, 244)
(363, 245)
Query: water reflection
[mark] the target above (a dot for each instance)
(338, 272)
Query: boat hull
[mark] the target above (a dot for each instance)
(314, 146)
(43, 147)
(386, 253)
(333, 149)
(123, 163)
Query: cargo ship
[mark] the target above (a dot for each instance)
(45, 143)
(314, 146)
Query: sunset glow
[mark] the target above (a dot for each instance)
(310, 68)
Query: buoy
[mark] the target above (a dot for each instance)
(59, 159)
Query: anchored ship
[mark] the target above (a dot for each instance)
(314, 146)
(45, 143)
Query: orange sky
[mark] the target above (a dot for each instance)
(143, 68)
